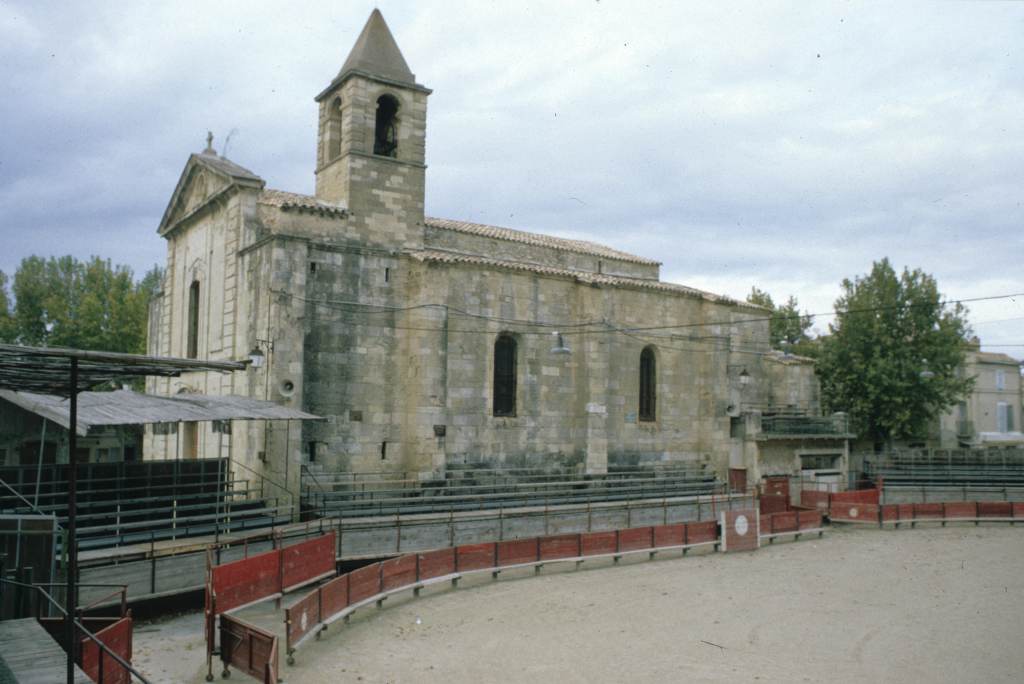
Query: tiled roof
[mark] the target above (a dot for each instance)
(292, 200)
(437, 256)
(498, 233)
(996, 357)
(228, 167)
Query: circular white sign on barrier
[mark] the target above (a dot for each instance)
(303, 621)
(742, 526)
(854, 512)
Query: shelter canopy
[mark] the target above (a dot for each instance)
(124, 407)
(48, 369)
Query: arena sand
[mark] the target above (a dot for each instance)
(863, 605)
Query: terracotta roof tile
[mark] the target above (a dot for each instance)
(292, 200)
(437, 256)
(498, 233)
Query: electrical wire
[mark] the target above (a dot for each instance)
(576, 327)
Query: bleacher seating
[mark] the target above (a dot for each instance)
(126, 503)
(947, 467)
(476, 488)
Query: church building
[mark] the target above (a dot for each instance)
(426, 342)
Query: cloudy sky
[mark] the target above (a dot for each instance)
(785, 146)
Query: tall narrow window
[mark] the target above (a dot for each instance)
(332, 132)
(505, 375)
(385, 138)
(1004, 417)
(193, 321)
(648, 384)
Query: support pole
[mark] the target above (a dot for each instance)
(39, 466)
(70, 601)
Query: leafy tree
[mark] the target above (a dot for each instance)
(892, 354)
(63, 302)
(7, 328)
(787, 328)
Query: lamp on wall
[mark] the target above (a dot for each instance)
(560, 346)
(256, 356)
(744, 377)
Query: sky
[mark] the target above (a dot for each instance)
(785, 146)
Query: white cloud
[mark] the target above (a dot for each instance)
(782, 145)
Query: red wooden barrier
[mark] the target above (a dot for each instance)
(782, 522)
(928, 510)
(961, 509)
(475, 556)
(636, 538)
(1018, 509)
(810, 498)
(701, 532)
(517, 551)
(560, 546)
(598, 543)
(398, 572)
(437, 563)
(853, 512)
(809, 520)
(246, 581)
(864, 496)
(307, 561)
(995, 509)
(670, 535)
(890, 512)
(777, 485)
(773, 503)
(301, 618)
(247, 647)
(118, 638)
(363, 583)
(740, 530)
(333, 596)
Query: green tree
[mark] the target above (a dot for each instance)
(63, 302)
(7, 327)
(787, 329)
(892, 354)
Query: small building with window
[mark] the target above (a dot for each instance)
(428, 342)
(991, 414)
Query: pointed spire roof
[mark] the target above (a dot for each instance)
(376, 54)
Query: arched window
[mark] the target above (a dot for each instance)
(334, 130)
(193, 320)
(648, 385)
(385, 137)
(505, 375)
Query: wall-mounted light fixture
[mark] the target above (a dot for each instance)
(560, 345)
(256, 356)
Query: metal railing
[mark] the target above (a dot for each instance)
(465, 498)
(787, 425)
(80, 628)
(264, 480)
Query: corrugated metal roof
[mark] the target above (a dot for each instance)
(125, 407)
(48, 369)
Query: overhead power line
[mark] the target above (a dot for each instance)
(579, 327)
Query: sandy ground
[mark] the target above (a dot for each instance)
(936, 605)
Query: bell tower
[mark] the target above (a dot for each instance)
(371, 140)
